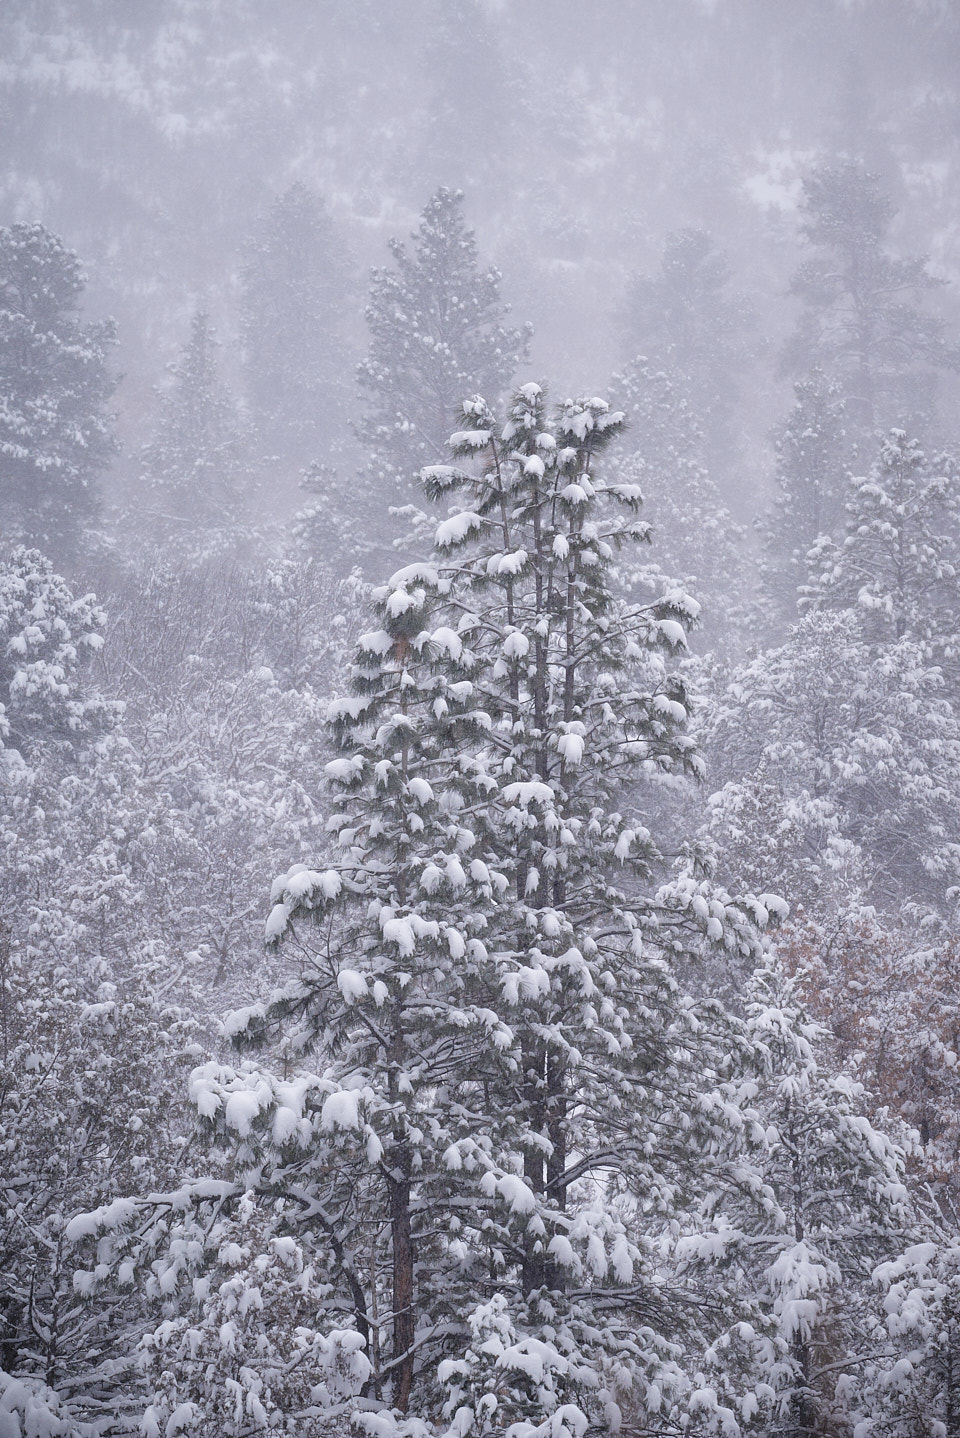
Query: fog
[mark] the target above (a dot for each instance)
(153, 137)
(479, 718)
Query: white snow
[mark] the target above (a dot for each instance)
(530, 791)
(241, 1110)
(570, 748)
(351, 984)
(341, 1110)
(456, 529)
(469, 439)
(445, 638)
(673, 632)
(377, 641)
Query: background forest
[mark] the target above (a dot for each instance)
(479, 718)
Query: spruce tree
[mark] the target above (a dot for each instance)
(55, 433)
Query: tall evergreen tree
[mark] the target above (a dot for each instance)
(685, 318)
(293, 281)
(196, 463)
(435, 335)
(55, 433)
(498, 1104)
(863, 321)
(811, 480)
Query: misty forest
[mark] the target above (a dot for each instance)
(480, 718)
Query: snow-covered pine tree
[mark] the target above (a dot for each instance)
(87, 1043)
(354, 1167)
(55, 433)
(811, 485)
(863, 321)
(591, 717)
(436, 333)
(834, 1204)
(696, 539)
(495, 1088)
(195, 465)
(840, 762)
(898, 564)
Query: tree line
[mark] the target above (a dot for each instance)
(600, 1071)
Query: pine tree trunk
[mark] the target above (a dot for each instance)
(403, 1311)
(554, 1274)
(951, 1377)
(534, 1169)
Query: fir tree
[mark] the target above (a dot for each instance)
(55, 434)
